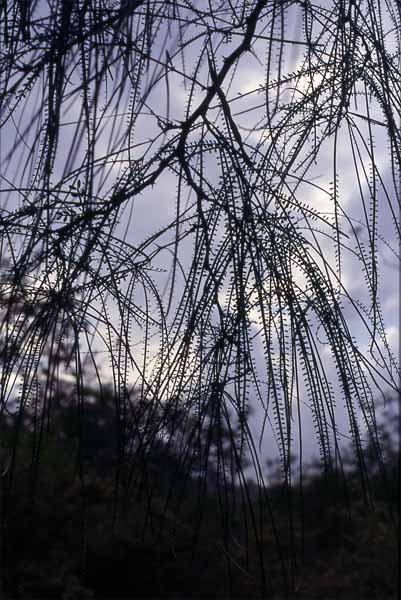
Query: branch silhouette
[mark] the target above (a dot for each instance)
(167, 235)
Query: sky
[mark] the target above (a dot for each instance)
(143, 221)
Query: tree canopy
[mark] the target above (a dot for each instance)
(199, 214)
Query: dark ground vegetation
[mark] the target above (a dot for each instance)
(170, 534)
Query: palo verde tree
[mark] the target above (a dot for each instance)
(197, 202)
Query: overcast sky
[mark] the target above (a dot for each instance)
(152, 210)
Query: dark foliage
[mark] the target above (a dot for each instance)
(187, 190)
(66, 541)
